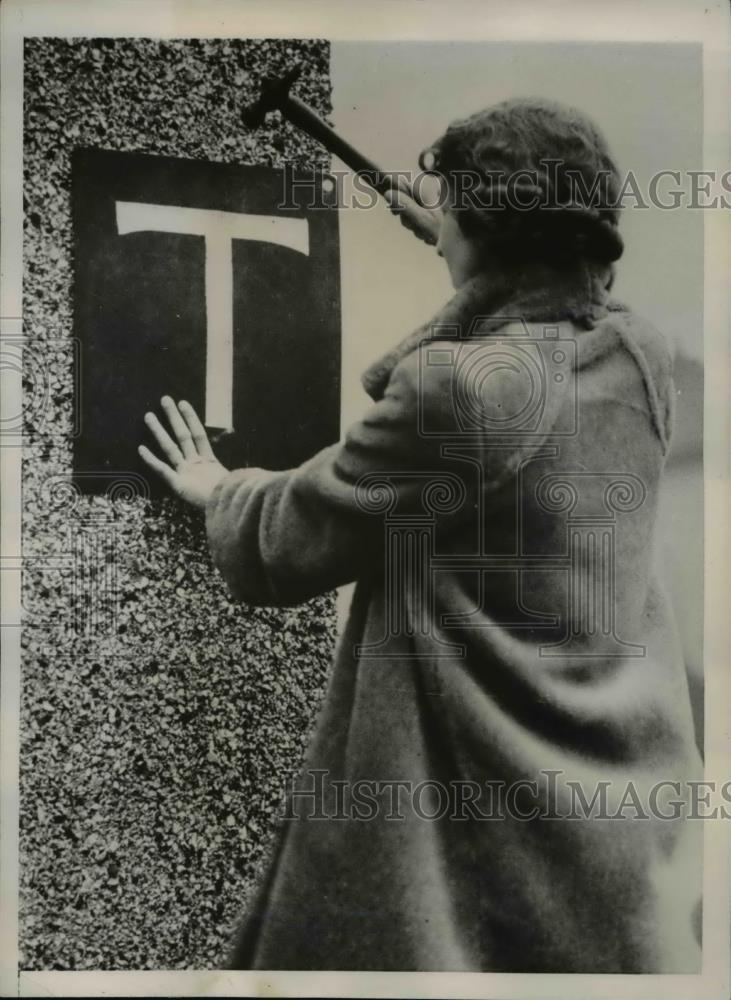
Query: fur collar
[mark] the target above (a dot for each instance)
(535, 293)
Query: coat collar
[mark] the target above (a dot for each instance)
(534, 293)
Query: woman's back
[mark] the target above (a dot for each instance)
(510, 660)
(499, 779)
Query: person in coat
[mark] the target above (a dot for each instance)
(499, 778)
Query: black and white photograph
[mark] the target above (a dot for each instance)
(365, 376)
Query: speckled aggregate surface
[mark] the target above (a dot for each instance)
(159, 721)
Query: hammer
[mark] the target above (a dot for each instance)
(275, 95)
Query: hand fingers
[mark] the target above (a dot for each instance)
(180, 428)
(397, 207)
(423, 222)
(160, 467)
(428, 231)
(396, 200)
(171, 450)
(198, 431)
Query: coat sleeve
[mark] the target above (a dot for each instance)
(280, 538)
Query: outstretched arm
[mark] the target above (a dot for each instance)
(283, 537)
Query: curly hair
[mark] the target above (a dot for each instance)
(531, 178)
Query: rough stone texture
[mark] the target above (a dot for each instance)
(159, 721)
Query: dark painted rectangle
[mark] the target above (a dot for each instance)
(140, 313)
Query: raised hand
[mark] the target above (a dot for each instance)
(424, 223)
(194, 470)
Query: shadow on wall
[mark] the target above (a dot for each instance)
(681, 526)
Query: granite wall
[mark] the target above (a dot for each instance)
(159, 721)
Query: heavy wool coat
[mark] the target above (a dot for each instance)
(491, 782)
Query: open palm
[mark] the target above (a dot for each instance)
(194, 470)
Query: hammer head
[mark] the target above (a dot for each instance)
(273, 96)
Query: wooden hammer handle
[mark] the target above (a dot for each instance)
(423, 222)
